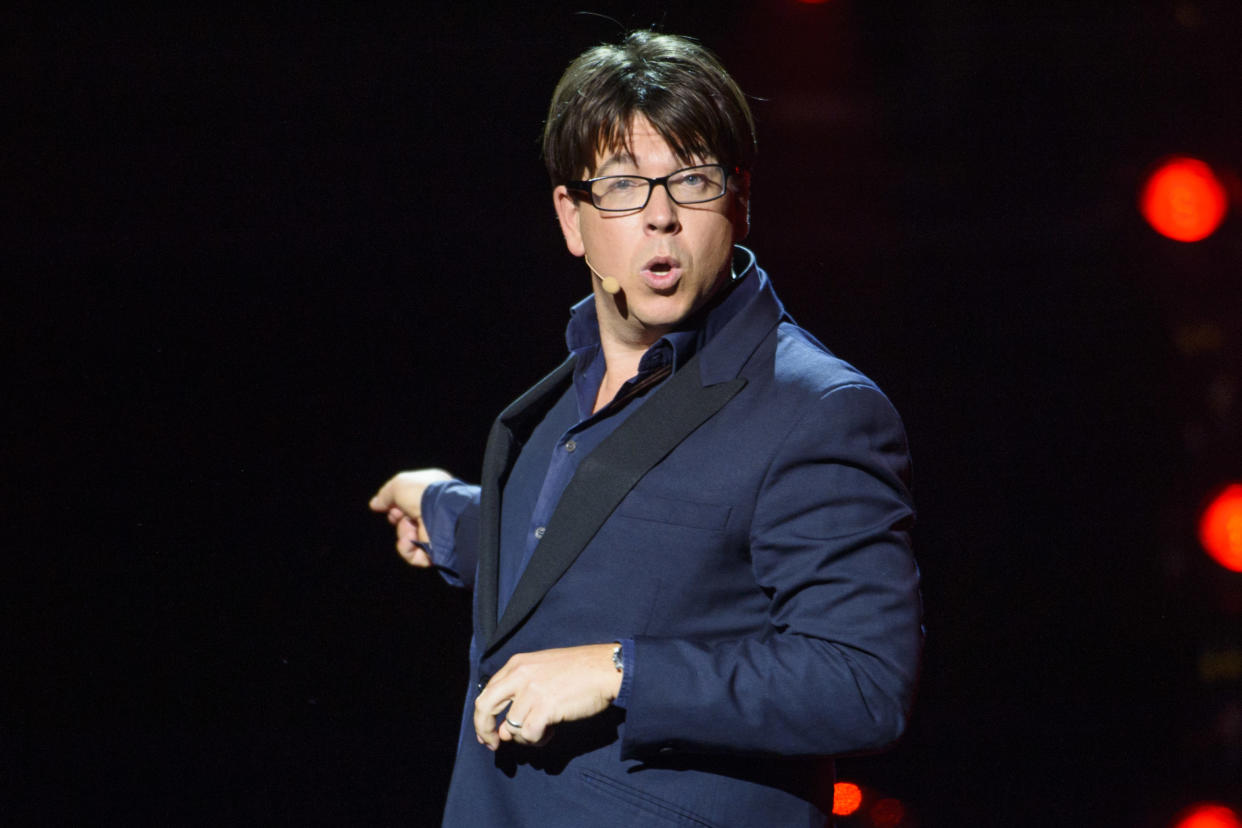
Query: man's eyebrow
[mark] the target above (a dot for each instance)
(616, 159)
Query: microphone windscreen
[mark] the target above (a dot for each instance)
(610, 285)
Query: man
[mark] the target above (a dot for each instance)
(689, 550)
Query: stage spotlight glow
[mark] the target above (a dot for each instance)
(1208, 815)
(1220, 528)
(888, 813)
(846, 798)
(1184, 200)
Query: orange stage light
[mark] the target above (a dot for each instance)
(1208, 815)
(1184, 200)
(846, 798)
(1220, 528)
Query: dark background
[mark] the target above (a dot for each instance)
(254, 262)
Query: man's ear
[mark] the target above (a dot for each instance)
(741, 205)
(568, 213)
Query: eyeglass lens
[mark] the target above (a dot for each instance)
(629, 192)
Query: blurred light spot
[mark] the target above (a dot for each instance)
(1208, 815)
(846, 798)
(1220, 528)
(1184, 200)
(1188, 15)
(888, 813)
(1199, 338)
(1220, 665)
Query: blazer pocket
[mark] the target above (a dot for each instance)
(677, 512)
(644, 804)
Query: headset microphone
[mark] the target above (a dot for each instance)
(610, 285)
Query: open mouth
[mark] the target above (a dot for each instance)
(662, 272)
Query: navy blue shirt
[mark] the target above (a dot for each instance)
(569, 432)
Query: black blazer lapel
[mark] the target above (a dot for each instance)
(498, 458)
(671, 413)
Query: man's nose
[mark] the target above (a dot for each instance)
(661, 211)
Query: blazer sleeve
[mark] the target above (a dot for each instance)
(834, 668)
(451, 513)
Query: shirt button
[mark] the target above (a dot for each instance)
(570, 446)
(539, 532)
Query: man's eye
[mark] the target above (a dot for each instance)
(692, 181)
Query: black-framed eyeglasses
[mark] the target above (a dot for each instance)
(692, 185)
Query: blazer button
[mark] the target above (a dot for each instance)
(483, 680)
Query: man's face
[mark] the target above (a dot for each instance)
(669, 258)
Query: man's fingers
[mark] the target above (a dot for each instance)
(539, 689)
(548, 732)
(405, 489)
(406, 528)
(412, 541)
(519, 723)
(485, 713)
(382, 500)
(534, 729)
(413, 555)
(504, 713)
(413, 530)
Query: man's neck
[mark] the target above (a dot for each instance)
(621, 359)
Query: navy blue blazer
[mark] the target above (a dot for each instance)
(748, 526)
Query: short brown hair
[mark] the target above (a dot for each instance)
(675, 83)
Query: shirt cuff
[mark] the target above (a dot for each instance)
(627, 673)
(443, 503)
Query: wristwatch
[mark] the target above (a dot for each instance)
(616, 659)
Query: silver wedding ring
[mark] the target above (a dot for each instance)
(513, 724)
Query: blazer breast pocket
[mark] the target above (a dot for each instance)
(674, 511)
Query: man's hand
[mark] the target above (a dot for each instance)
(401, 499)
(542, 689)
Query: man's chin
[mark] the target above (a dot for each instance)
(661, 320)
